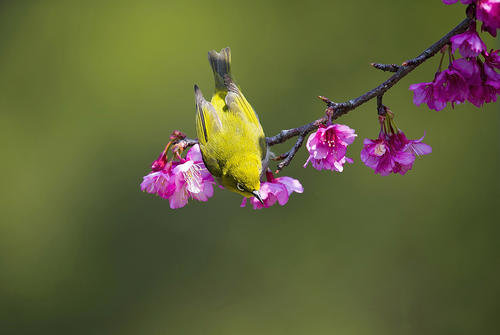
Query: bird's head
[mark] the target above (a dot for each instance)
(242, 175)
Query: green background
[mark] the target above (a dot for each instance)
(89, 93)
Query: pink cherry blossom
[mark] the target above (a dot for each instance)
(327, 147)
(179, 181)
(424, 93)
(274, 190)
(451, 86)
(492, 58)
(483, 80)
(490, 74)
(404, 163)
(485, 91)
(488, 11)
(161, 183)
(469, 43)
(392, 152)
(469, 69)
(481, 94)
(376, 154)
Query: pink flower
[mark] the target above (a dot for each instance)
(469, 43)
(376, 154)
(482, 79)
(327, 147)
(484, 93)
(179, 181)
(489, 73)
(469, 69)
(161, 183)
(492, 59)
(424, 93)
(488, 11)
(274, 190)
(415, 147)
(451, 86)
(392, 152)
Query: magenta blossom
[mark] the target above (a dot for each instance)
(274, 190)
(488, 11)
(424, 93)
(327, 147)
(179, 181)
(161, 183)
(484, 93)
(415, 147)
(490, 74)
(392, 152)
(469, 43)
(376, 154)
(482, 79)
(492, 59)
(383, 156)
(469, 69)
(451, 86)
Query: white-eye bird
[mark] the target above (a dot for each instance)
(232, 141)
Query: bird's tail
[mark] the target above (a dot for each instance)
(221, 65)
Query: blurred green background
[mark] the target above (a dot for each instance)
(89, 93)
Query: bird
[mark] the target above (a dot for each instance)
(231, 139)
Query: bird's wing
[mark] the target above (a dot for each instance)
(207, 120)
(236, 102)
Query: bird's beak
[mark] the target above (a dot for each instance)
(257, 195)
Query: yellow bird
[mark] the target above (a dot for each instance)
(232, 142)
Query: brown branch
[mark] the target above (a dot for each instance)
(386, 67)
(340, 109)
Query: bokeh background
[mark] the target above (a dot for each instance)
(89, 93)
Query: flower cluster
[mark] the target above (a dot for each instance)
(470, 78)
(184, 178)
(180, 180)
(392, 152)
(328, 145)
(274, 190)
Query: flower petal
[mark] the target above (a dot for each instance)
(194, 154)
(292, 185)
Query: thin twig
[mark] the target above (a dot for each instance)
(386, 67)
(290, 154)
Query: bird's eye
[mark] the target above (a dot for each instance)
(239, 187)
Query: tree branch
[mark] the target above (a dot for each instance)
(386, 67)
(340, 109)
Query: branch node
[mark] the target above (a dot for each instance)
(326, 100)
